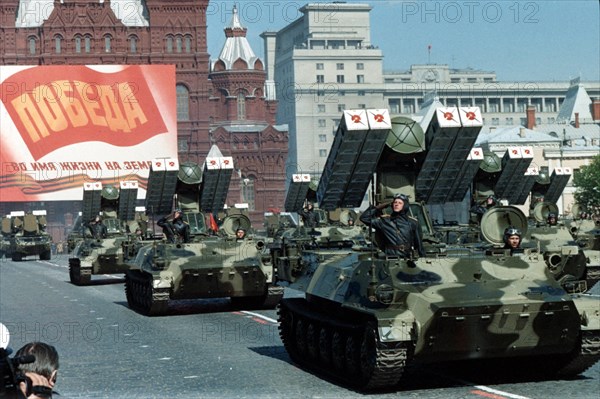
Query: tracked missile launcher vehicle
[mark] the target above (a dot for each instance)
(76, 234)
(335, 228)
(29, 236)
(570, 262)
(366, 316)
(5, 235)
(105, 254)
(208, 265)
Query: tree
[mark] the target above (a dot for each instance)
(587, 182)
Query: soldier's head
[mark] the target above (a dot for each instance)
(490, 201)
(240, 233)
(177, 213)
(400, 203)
(98, 219)
(552, 219)
(309, 206)
(512, 237)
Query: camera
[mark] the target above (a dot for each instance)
(10, 378)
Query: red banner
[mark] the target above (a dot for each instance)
(64, 125)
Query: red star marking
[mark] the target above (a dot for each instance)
(378, 118)
(226, 162)
(212, 162)
(172, 163)
(448, 116)
(158, 164)
(356, 118)
(476, 152)
(527, 152)
(470, 115)
(514, 151)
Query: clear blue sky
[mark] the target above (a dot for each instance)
(519, 40)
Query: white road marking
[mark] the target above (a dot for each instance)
(260, 316)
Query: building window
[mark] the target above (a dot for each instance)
(247, 191)
(339, 66)
(322, 138)
(394, 105)
(57, 44)
(188, 44)
(179, 42)
(32, 45)
(362, 106)
(523, 121)
(551, 120)
(342, 93)
(361, 93)
(323, 153)
(322, 123)
(87, 41)
(241, 106)
(340, 78)
(360, 78)
(320, 66)
(320, 78)
(107, 44)
(183, 103)
(133, 44)
(509, 121)
(360, 66)
(495, 121)
(78, 44)
(454, 80)
(341, 107)
(320, 108)
(169, 44)
(494, 105)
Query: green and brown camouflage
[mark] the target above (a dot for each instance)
(76, 234)
(366, 316)
(214, 263)
(568, 261)
(5, 235)
(29, 236)
(109, 254)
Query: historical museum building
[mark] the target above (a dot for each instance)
(224, 103)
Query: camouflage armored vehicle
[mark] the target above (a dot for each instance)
(207, 265)
(76, 234)
(335, 228)
(366, 316)
(29, 236)
(108, 252)
(5, 235)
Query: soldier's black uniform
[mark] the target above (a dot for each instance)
(97, 228)
(401, 234)
(175, 227)
(309, 217)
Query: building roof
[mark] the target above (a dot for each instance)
(33, 13)
(236, 45)
(587, 131)
(517, 135)
(576, 100)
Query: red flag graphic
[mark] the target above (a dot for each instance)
(213, 223)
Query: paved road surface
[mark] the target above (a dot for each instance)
(203, 349)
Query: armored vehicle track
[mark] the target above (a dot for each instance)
(339, 348)
(142, 296)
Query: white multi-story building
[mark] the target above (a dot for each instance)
(325, 62)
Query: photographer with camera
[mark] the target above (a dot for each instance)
(38, 378)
